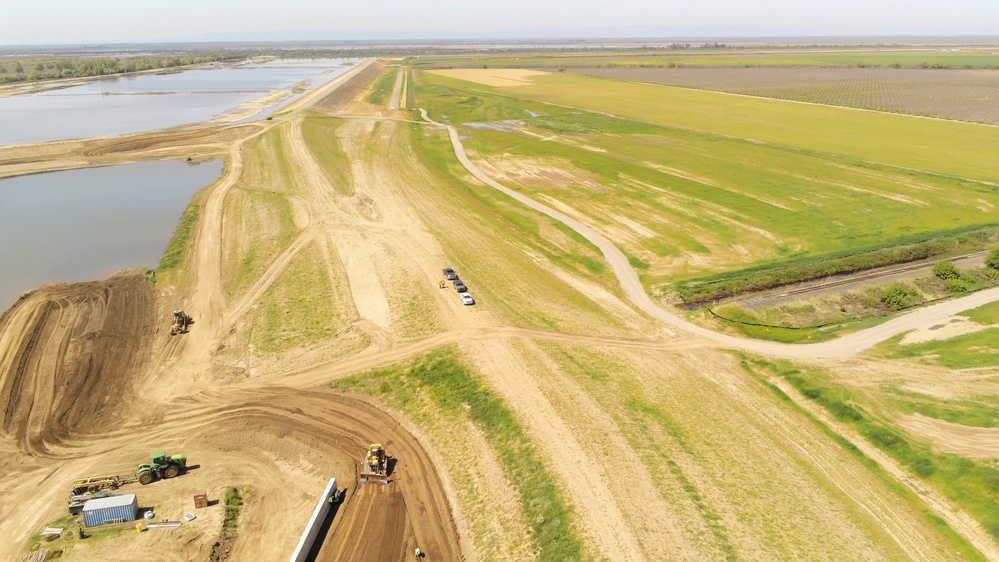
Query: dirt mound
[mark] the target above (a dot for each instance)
(351, 90)
(66, 353)
(169, 139)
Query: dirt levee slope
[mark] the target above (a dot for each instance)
(66, 353)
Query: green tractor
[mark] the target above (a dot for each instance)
(161, 467)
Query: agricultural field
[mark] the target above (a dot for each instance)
(700, 183)
(735, 56)
(964, 95)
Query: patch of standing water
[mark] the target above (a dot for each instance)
(83, 225)
(148, 102)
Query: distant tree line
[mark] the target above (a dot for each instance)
(35, 69)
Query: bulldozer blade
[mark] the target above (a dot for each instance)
(380, 478)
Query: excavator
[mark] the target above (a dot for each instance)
(375, 465)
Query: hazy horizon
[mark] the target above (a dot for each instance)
(62, 22)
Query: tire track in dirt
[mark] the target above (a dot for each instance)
(959, 520)
(849, 479)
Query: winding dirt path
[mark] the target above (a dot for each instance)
(840, 348)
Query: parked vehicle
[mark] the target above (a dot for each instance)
(459, 286)
(466, 298)
(449, 274)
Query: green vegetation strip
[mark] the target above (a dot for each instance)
(458, 393)
(971, 484)
(233, 503)
(383, 88)
(974, 350)
(176, 250)
(796, 270)
(31, 69)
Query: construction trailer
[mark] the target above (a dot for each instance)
(113, 509)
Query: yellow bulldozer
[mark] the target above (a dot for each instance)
(375, 465)
(181, 322)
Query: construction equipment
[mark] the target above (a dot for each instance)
(375, 465)
(181, 322)
(162, 466)
(95, 483)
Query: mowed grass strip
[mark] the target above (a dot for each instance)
(941, 147)
(458, 393)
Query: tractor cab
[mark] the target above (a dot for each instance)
(158, 457)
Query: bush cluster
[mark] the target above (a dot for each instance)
(769, 276)
(894, 295)
(992, 259)
(946, 270)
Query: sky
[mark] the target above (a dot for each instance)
(39, 22)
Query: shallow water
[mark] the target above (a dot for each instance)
(148, 102)
(83, 225)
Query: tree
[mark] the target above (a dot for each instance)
(946, 270)
(18, 68)
(992, 260)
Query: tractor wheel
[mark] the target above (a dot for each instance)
(171, 471)
(145, 477)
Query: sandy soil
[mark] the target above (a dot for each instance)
(944, 329)
(973, 442)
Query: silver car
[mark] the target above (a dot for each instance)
(466, 299)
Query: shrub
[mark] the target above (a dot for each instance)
(956, 285)
(894, 295)
(992, 259)
(946, 270)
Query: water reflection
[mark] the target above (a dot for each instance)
(81, 225)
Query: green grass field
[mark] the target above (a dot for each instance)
(687, 198)
(945, 148)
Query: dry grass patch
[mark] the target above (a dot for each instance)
(258, 226)
(498, 77)
(743, 474)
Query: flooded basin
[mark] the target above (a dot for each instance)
(82, 225)
(147, 102)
